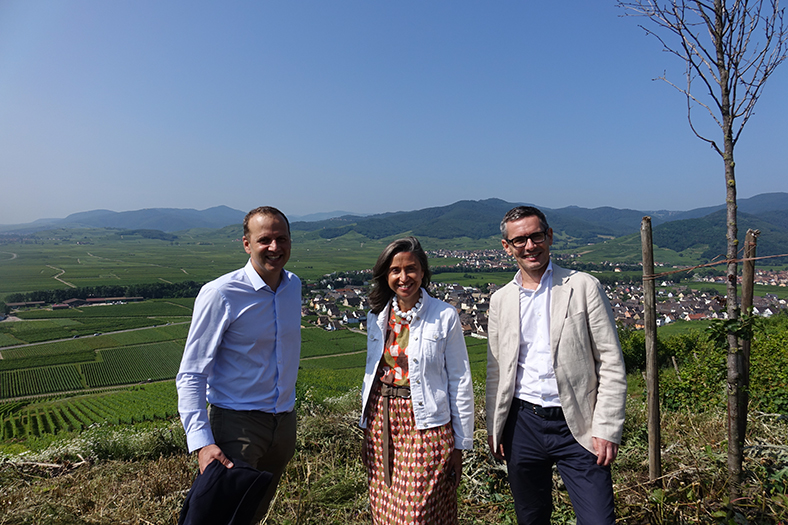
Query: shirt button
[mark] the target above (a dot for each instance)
(421, 404)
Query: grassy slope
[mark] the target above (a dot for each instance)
(325, 482)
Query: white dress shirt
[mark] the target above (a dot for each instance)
(242, 351)
(536, 381)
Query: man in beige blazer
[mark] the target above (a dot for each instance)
(556, 384)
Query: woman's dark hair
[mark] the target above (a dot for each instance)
(381, 294)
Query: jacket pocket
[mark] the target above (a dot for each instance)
(432, 343)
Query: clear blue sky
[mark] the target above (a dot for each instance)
(364, 106)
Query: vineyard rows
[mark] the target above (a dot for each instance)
(46, 380)
(133, 364)
(134, 405)
(144, 309)
(48, 360)
(114, 366)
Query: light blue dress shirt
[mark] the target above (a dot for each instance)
(242, 351)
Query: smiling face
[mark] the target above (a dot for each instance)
(531, 258)
(268, 244)
(404, 277)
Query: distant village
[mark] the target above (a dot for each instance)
(336, 302)
(339, 300)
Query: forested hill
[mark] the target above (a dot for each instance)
(476, 220)
(481, 219)
(710, 231)
(470, 219)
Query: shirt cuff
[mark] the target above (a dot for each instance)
(199, 438)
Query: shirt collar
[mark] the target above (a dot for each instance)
(546, 277)
(257, 281)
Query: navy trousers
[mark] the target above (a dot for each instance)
(532, 445)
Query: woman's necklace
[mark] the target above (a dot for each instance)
(410, 314)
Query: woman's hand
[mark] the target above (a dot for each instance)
(454, 467)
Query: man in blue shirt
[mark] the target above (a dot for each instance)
(242, 356)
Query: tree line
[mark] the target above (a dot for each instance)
(148, 291)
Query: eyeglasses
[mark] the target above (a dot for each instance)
(520, 242)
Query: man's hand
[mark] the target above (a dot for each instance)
(209, 453)
(606, 451)
(497, 454)
(454, 466)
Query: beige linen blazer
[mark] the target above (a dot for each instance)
(587, 358)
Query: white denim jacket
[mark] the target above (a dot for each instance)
(440, 373)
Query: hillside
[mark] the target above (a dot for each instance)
(604, 233)
(710, 231)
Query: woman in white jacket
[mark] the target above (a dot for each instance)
(417, 394)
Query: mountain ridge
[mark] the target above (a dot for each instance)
(479, 219)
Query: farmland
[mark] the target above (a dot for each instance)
(80, 258)
(56, 366)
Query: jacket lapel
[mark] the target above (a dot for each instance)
(559, 305)
(510, 318)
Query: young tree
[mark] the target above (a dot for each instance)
(729, 48)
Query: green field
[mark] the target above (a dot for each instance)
(759, 290)
(47, 325)
(628, 250)
(477, 279)
(61, 259)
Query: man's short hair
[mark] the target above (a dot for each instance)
(264, 210)
(520, 212)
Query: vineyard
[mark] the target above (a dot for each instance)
(49, 325)
(332, 364)
(52, 416)
(318, 342)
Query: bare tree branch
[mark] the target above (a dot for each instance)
(752, 37)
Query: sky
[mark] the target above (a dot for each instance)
(367, 107)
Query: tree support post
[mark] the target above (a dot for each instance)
(652, 372)
(747, 285)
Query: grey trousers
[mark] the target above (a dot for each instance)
(265, 441)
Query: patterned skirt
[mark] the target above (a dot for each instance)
(421, 490)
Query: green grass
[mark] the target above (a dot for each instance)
(337, 363)
(758, 290)
(682, 327)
